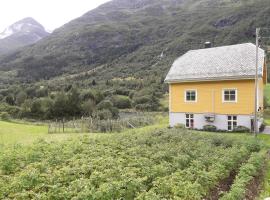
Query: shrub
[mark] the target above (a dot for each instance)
(262, 127)
(106, 104)
(104, 114)
(241, 129)
(121, 102)
(180, 126)
(87, 95)
(210, 128)
(5, 116)
(122, 91)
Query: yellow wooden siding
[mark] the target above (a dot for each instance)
(209, 97)
(261, 92)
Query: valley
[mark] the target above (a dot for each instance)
(84, 109)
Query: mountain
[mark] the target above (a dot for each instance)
(22, 33)
(134, 39)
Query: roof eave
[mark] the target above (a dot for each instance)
(211, 79)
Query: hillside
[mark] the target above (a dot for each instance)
(22, 33)
(127, 38)
(116, 56)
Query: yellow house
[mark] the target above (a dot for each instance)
(216, 86)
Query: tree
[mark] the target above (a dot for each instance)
(10, 100)
(87, 95)
(74, 102)
(59, 108)
(36, 109)
(88, 108)
(94, 82)
(20, 98)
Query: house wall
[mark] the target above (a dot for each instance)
(261, 85)
(209, 97)
(220, 122)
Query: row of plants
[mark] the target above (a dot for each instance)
(237, 129)
(139, 164)
(213, 128)
(248, 171)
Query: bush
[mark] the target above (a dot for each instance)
(180, 126)
(104, 114)
(11, 110)
(121, 102)
(241, 129)
(122, 91)
(210, 128)
(5, 116)
(106, 104)
(262, 127)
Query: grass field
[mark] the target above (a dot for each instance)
(14, 133)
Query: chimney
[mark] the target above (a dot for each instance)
(207, 45)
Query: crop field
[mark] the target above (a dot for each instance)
(145, 163)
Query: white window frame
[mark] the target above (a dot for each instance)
(223, 95)
(190, 90)
(190, 118)
(231, 121)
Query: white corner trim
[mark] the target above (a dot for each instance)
(185, 96)
(236, 95)
(170, 97)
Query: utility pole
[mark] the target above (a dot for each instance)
(256, 83)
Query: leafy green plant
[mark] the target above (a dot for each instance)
(247, 172)
(5, 116)
(210, 128)
(241, 129)
(180, 126)
(163, 164)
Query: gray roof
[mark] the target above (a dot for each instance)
(219, 63)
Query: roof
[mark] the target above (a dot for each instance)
(218, 63)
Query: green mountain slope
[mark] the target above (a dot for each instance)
(137, 38)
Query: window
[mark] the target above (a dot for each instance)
(190, 96)
(232, 122)
(189, 120)
(229, 95)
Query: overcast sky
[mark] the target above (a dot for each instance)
(50, 13)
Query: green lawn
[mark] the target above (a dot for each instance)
(13, 133)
